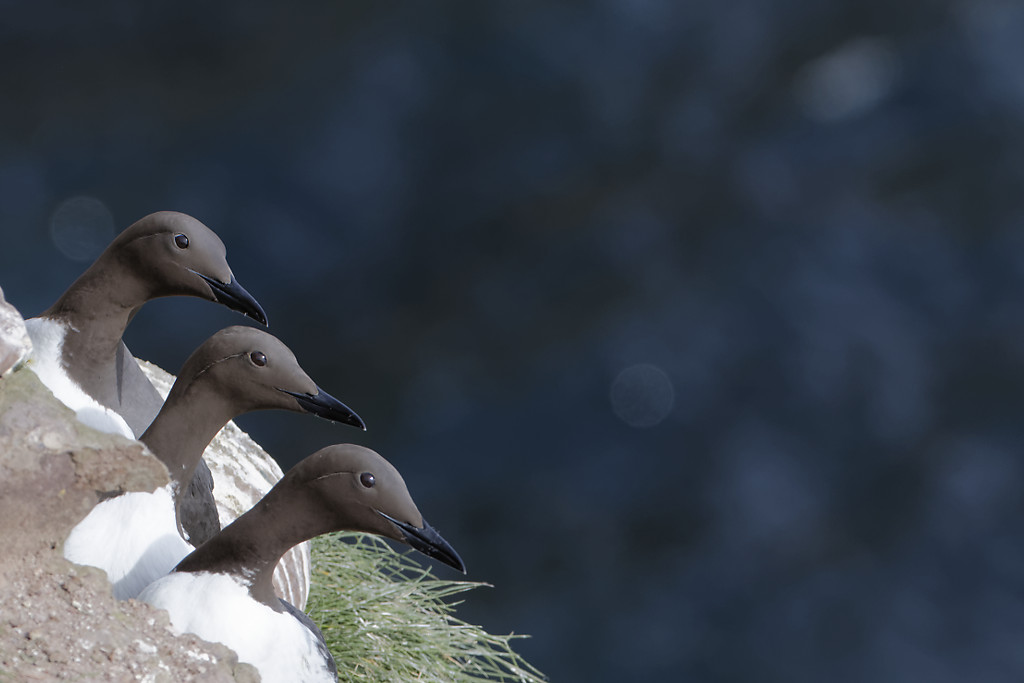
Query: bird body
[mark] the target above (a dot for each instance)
(343, 487)
(244, 473)
(217, 607)
(133, 537)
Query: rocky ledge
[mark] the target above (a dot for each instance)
(60, 621)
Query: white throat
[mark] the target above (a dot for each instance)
(48, 345)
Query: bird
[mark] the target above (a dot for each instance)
(77, 348)
(137, 537)
(78, 351)
(222, 591)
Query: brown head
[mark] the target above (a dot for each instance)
(237, 370)
(338, 488)
(172, 254)
(352, 488)
(245, 369)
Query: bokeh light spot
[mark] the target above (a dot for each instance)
(642, 395)
(849, 80)
(81, 228)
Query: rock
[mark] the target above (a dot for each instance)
(15, 344)
(52, 468)
(61, 621)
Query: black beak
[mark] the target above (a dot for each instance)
(324, 405)
(234, 296)
(428, 542)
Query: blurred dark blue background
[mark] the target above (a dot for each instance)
(696, 327)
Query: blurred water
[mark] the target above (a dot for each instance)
(694, 327)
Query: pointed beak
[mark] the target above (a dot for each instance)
(324, 405)
(234, 296)
(428, 542)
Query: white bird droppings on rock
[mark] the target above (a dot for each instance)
(15, 344)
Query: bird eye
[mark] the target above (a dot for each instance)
(181, 241)
(367, 480)
(258, 358)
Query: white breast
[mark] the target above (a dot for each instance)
(47, 343)
(133, 538)
(217, 607)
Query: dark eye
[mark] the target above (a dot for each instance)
(181, 240)
(258, 358)
(367, 480)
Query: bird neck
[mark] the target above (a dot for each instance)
(250, 547)
(96, 309)
(186, 424)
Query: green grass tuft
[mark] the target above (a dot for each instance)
(387, 618)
